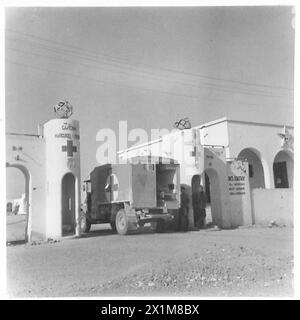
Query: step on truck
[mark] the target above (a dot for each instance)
(130, 195)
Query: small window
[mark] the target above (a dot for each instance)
(171, 186)
(251, 172)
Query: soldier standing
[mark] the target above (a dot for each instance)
(183, 210)
(199, 205)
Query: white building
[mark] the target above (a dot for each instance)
(246, 167)
(50, 162)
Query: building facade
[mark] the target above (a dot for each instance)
(247, 170)
(50, 162)
(269, 149)
(239, 163)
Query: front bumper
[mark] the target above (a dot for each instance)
(155, 217)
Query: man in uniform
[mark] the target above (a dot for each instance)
(199, 205)
(183, 222)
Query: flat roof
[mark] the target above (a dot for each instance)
(220, 120)
(208, 124)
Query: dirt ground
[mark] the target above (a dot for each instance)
(254, 261)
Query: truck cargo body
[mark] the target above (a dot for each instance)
(146, 191)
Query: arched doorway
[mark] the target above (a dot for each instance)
(256, 170)
(68, 204)
(213, 193)
(283, 169)
(18, 187)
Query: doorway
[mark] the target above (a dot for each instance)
(283, 170)
(213, 195)
(68, 205)
(280, 175)
(18, 195)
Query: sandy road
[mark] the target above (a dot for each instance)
(249, 261)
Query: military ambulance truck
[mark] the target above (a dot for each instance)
(130, 195)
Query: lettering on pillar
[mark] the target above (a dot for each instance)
(68, 126)
(67, 135)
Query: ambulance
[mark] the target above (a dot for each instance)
(146, 190)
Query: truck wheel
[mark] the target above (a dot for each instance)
(121, 222)
(85, 224)
(161, 226)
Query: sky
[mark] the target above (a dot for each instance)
(150, 66)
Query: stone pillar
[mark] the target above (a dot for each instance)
(62, 175)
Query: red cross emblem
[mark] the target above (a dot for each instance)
(69, 148)
(112, 187)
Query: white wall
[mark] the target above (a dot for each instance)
(215, 133)
(32, 158)
(273, 204)
(262, 137)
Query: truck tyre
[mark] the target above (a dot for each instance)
(122, 222)
(85, 224)
(161, 226)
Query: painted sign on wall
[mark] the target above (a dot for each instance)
(236, 185)
(237, 178)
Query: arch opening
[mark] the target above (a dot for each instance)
(255, 166)
(283, 169)
(68, 205)
(18, 203)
